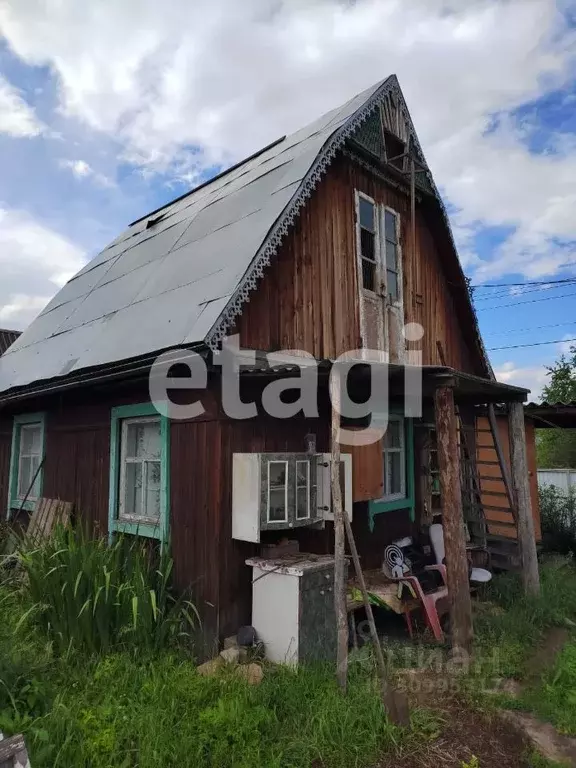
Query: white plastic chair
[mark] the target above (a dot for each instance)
(477, 575)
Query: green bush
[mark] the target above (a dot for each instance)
(558, 519)
(94, 596)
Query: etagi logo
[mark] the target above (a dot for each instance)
(231, 359)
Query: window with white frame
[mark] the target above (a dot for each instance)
(393, 277)
(140, 469)
(29, 458)
(368, 242)
(277, 491)
(394, 458)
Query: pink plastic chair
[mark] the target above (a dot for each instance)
(396, 568)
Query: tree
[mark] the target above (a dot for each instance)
(557, 447)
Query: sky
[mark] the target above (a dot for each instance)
(110, 109)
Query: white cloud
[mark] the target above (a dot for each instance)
(227, 77)
(533, 378)
(22, 309)
(80, 169)
(17, 118)
(34, 262)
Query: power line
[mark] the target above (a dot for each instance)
(530, 301)
(532, 328)
(535, 344)
(526, 282)
(543, 287)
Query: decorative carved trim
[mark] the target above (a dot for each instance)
(269, 248)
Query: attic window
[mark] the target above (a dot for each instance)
(395, 149)
(392, 265)
(367, 235)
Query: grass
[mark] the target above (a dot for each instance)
(507, 638)
(92, 673)
(99, 677)
(96, 597)
(553, 698)
(124, 710)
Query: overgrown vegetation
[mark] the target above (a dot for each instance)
(124, 710)
(93, 673)
(99, 677)
(506, 638)
(95, 597)
(558, 519)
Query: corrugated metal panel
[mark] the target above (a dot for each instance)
(564, 479)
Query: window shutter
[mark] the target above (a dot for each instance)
(367, 471)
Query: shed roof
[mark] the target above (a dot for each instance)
(181, 275)
(7, 338)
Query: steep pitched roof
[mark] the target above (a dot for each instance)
(181, 275)
(7, 338)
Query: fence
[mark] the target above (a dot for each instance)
(561, 478)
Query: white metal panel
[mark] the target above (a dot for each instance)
(276, 614)
(324, 492)
(246, 497)
(564, 479)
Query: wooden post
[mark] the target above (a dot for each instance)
(339, 537)
(453, 520)
(521, 485)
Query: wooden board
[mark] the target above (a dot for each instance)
(493, 489)
(46, 515)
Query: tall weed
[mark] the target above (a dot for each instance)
(94, 596)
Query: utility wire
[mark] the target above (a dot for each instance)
(532, 328)
(526, 282)
(530, 301)
(543, 287)
(535, 344)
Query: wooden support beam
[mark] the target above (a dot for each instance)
(453, 519)
(339, 537)
(521, 486)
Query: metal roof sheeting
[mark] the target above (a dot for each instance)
(166, 285)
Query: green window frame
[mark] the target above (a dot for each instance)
(161, 529)
(379, 506)
(16, 499)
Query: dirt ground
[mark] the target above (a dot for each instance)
(465, 734)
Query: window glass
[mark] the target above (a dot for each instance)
(30, 449)
(141, 468)
(394, 459)
(277, 491)
(390, 226)
(302, 490)
(367, 214)
(391, 245)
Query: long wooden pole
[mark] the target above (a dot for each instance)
(453, 520)
(521, 485)
(340, 567)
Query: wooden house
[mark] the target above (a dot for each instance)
(328, 240)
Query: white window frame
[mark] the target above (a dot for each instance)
(124, 460)
(399, 302)
(402, 494)
(286, 480)
(306, 487)
(377, 245)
